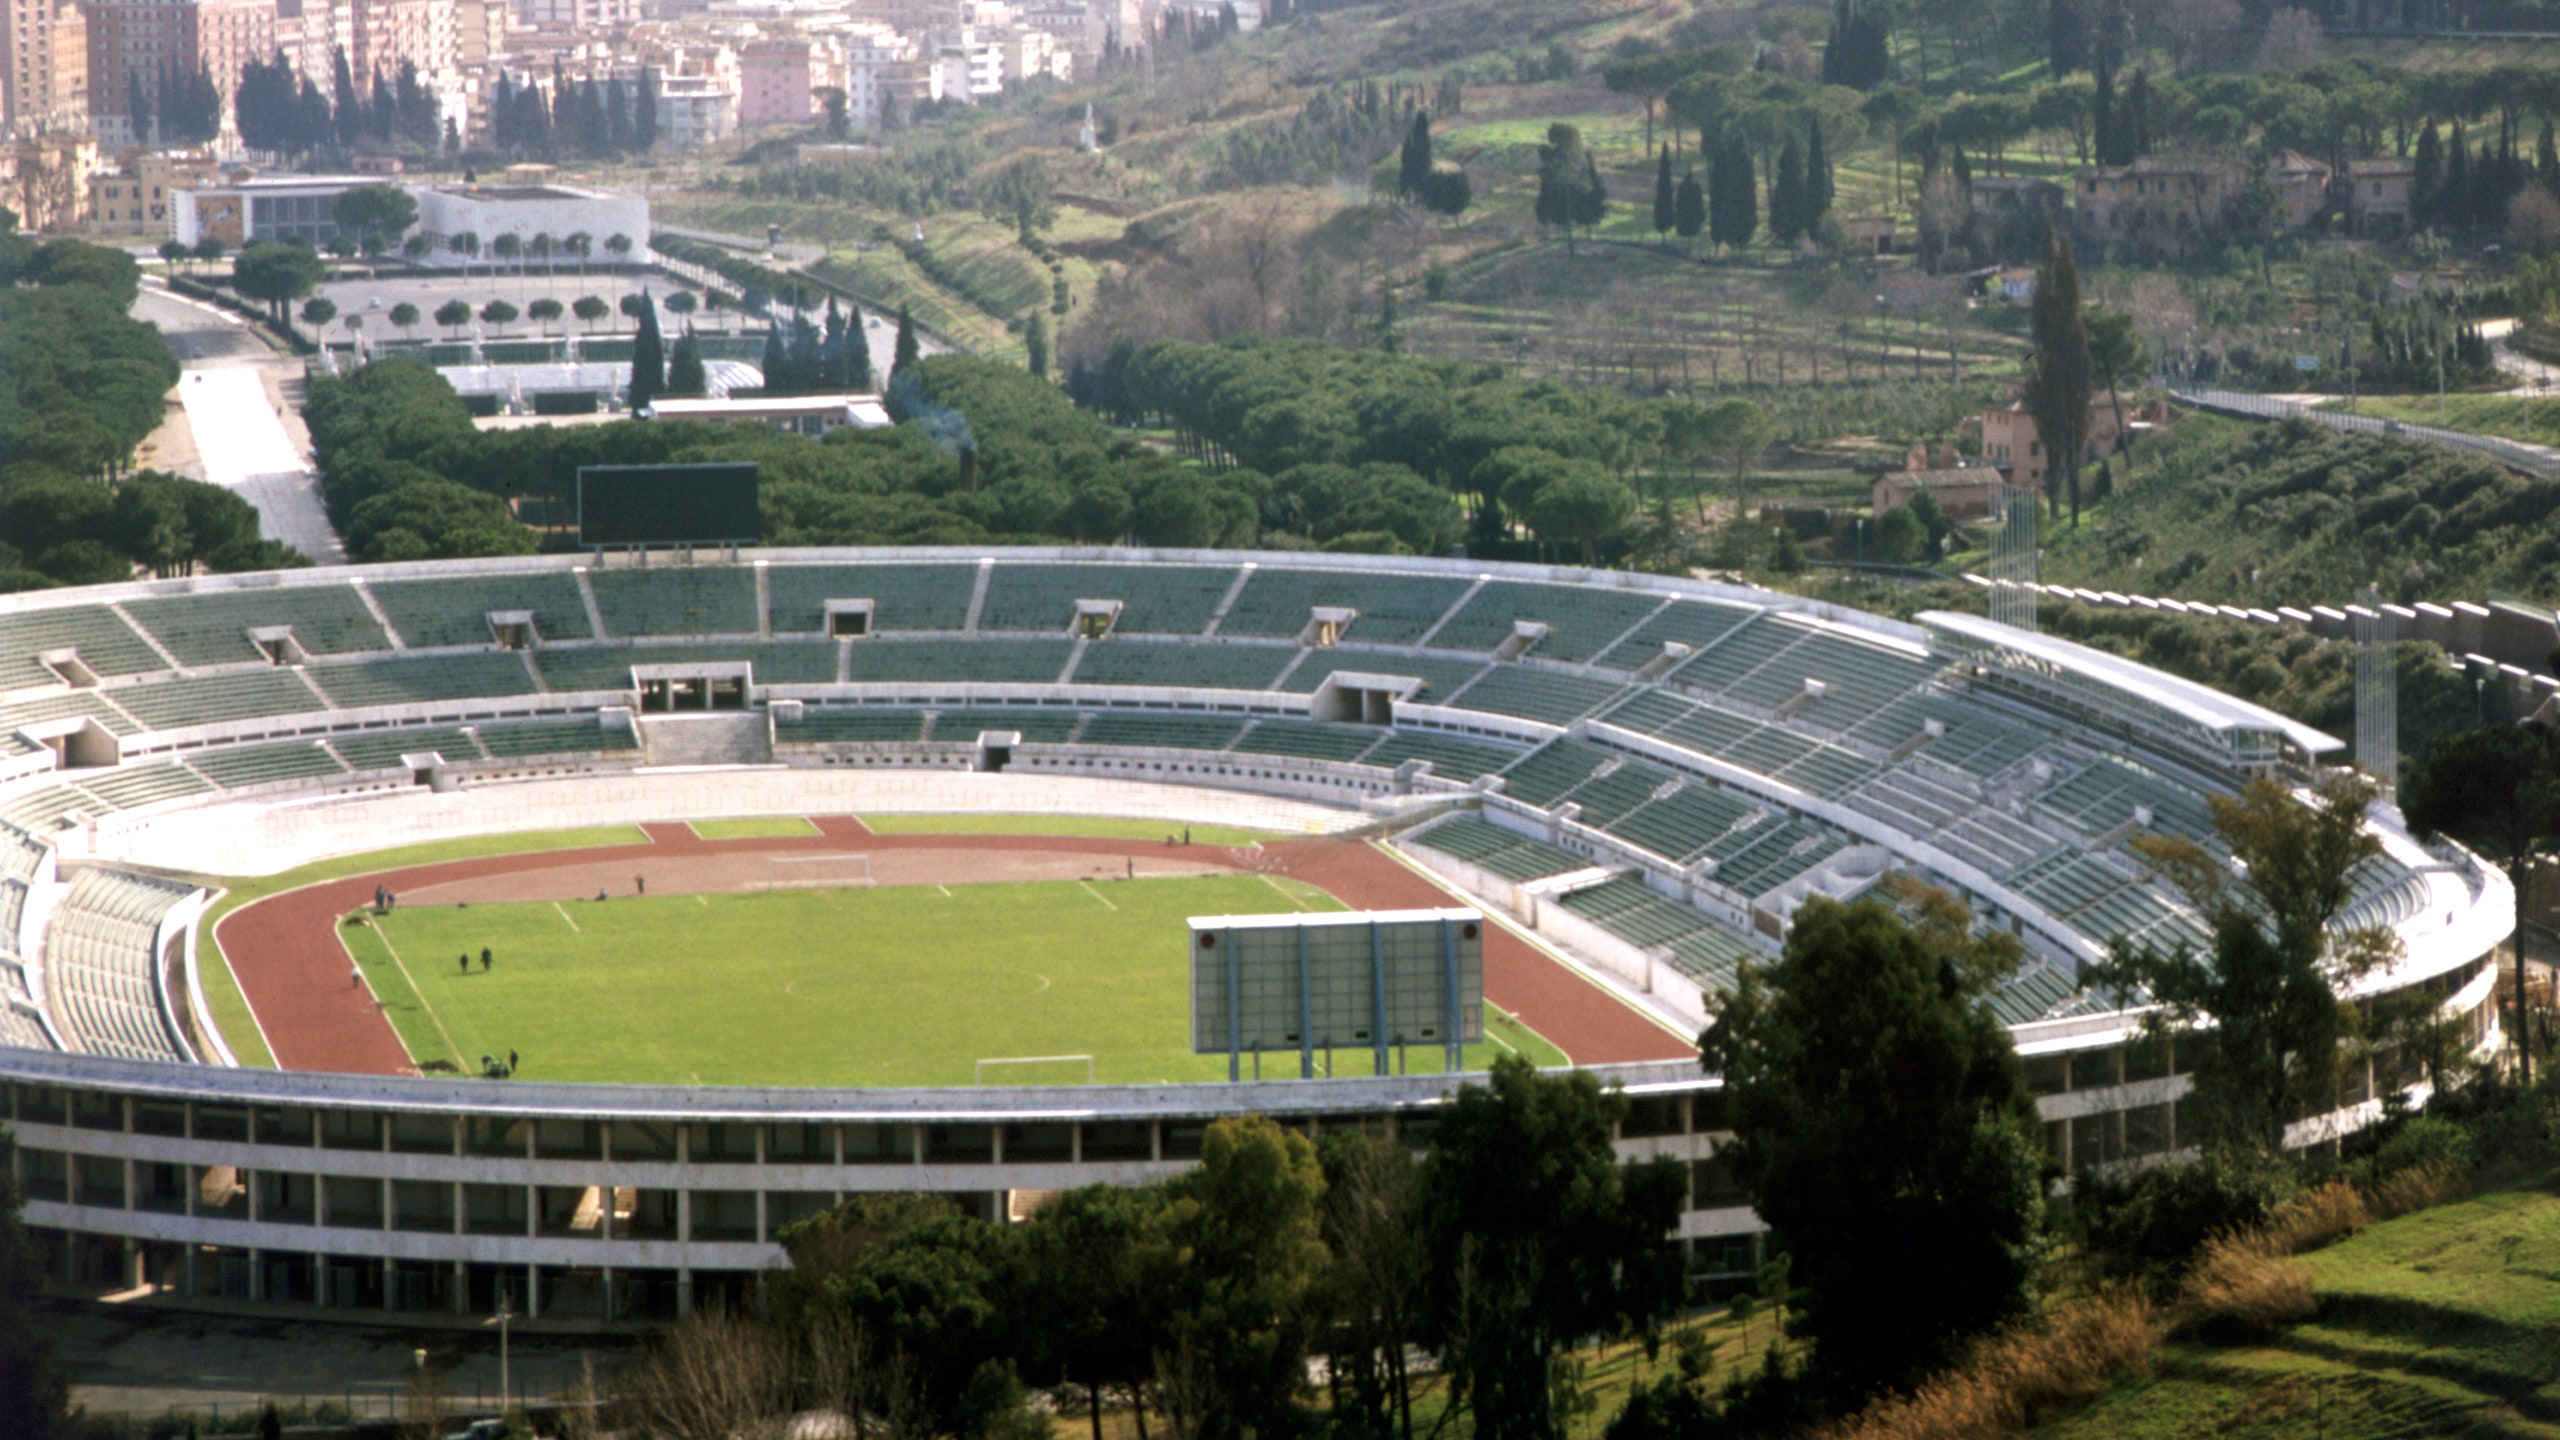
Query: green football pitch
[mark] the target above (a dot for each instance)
(899, 985)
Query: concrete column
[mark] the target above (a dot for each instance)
(461, 1288)
(684, 1291)
(533, 1292)
(258, 1275)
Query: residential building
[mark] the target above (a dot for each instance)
(45, 177)
(2009, 439)
(2155, 205)
(44, 66)
(136, 196)
(778, 81)
(698, 109)
(140, 40)
(2377, 194)
(2302, 187)
(579, 15)
(1965, 492)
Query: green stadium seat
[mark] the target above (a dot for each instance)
(106, 644)
(850, 724)
(993, 662)
(1394, 609)
(1440, 676)
(1204, 666)
(212, 628)
(677, 600)
(1535, 694)
(382, 749)
(434, 613)
(1694, 623)
(131, 787)
(904, 597)
(1037, 727)
(85, 704)
(404, 680)
(524, 739)
(1165, 599)
(207, 699)
(262, 764)
(1310, 740)
(1451, 757)
(1581, 620)
(1162, 732)
(1488, 846)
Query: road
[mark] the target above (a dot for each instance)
(233, 388)
(2537, 460)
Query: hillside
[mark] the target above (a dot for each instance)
(2435, 1323)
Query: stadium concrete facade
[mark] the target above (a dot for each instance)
(1646, 775)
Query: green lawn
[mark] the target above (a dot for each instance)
(1099, 826)
(2513, 417)
(222, 990)
(757, 828)
(902, 985)
(2440, 1322)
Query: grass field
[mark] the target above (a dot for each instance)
(1100, 826)
(902, 985)
(2440, 1322)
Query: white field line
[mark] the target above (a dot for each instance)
(452, 1048)
(573, 925)
(1096, 894)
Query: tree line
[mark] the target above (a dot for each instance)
(581, 118)
(279, 107)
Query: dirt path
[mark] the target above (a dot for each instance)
(287, 956)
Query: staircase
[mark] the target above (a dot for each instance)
(739, 737)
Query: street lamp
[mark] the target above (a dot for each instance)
(506, 1313)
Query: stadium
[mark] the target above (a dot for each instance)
(813, 872)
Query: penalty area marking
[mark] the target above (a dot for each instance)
(573, 925)
(1283, 894)
(1096, 894)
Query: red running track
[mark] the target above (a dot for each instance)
(285, 951)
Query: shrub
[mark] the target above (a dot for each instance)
(2428, 1142)
(2161, 1218)
(2244, 1278)
(2019, 1374)
(2416, 1189)
(2317, 1217)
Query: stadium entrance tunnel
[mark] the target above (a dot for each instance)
(995, 749)
(1361, 698)
(672, 689)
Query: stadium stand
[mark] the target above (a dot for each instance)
(983, 661)
(106, 644)
(1218, 667)
(1488, 846)
(1170, 599)
(1440, 677)
(677, 600)
(266, 764)
(1534, 694)
(845, 724)
(407, 679)
(1694, 623)
(1626, 908)
(1394, 609)
(1581, 620)
(1037, 727)
(39, 811)
(382, 749)
(1682, 825)
(1451, 758)
(130, 787)
(100, 964)
(1162, 732)
(1310, 740)
(87, 704)
(433, 613)
(213, 629)
(208, 699)
(524, 739)
(1542, 776)
(904, 597)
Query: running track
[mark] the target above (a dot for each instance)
(286, 954)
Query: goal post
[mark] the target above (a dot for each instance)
(1036, 1069)
(817, 872)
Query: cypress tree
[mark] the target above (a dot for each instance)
(777, 361)
(2102, 117)
(1963, 169)
(857, 354)
(2060, 381)
(1787, 197)
(1733, 198)
(2453, 199)
(1590, 195)
(906, 352)
(648, 358)
(685, 373)
(1817, 179)
(644, 113)
(1690, 216)
(1413, 168)
(2546, 159)
(2426, 179)
(2135, 122)
(1035, 345)
(1666, 202)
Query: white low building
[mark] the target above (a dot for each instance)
(525, 211)
(798, 414)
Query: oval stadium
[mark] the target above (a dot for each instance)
(412, 938)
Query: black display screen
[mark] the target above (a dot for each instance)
(668, 505)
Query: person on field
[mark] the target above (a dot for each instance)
(466, 962)
(355, 977)
(511, 1061)
(640, 884)
(484, 958)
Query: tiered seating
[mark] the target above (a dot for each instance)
(83, 703)
(1219, 667)
(2384, 895)
(1534, 694)
(903, 597)
(1604, 798)
(430, 613)
(1581, 620)
(677, 600)
(382, 749)
(407, 680)
(516, 740)
(2105, 793)
(1037, 727)
(848, 724)
(100, 967)
(132, 787)
(1170, 732)
(1860, 678)
(1737, 653)
(20, 854)
(1309, 740)
(1440, 678)
(1543, 776)
(1913, 798)
(106, 644)
(1694, 623)
(776, 662)
(207, 699)
(1994, 842)
(1168, 599)
(13, 904)
(1827, 770)
(1394, 609)
(1977, 742)
(2068, 883)
(212, 628)
(586, 667)
(1781, 854)
(1700, 949)
(261, 764)
(2038, 992)
(1451, 757)
(1488, 846)
(39, 811)
(1680, 826)
(981, 661)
